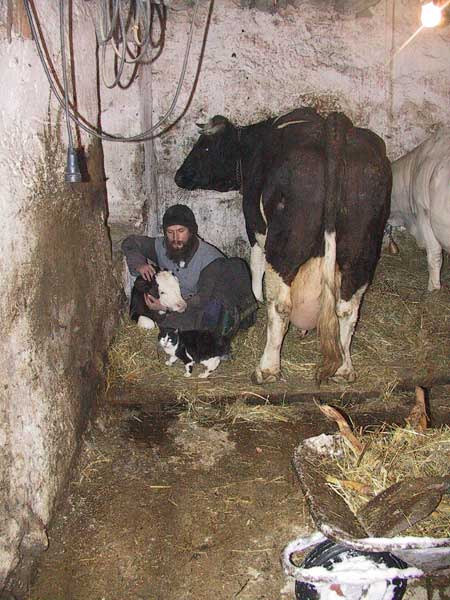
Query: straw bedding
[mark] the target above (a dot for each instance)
(403, 334)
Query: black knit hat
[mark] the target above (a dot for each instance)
(180, 214)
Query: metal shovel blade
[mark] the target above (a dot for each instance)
(402, 505)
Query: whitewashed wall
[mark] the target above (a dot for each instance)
(258, 64)
(57, 294)
(124, 163)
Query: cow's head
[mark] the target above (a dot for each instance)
(169, 291)
(212, 164)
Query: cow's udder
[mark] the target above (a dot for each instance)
(305, 294)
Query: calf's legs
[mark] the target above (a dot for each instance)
(146, 322)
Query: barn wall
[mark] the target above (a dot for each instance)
(124, 163)
(58, 299)
(259, 63)
(126, 110)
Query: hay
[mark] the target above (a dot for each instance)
(392, 454)
(403, 334)
(239, 411)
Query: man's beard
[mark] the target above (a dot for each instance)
(183, 252)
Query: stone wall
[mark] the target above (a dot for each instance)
(258, 63)
(58, 298)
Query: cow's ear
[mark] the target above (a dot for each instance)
(215, 125)
(200, 126)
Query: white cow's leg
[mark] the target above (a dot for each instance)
(347, 312)
(434, 260)
(433, 250)
(278, 297)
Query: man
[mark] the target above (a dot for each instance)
(217, 289)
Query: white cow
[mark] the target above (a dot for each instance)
(421, 198)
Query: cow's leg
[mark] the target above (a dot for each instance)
(434, 260)
(347, 312)
(433, 250)
(257, 267)
(279, 305)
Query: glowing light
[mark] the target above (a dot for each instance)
(431, 14)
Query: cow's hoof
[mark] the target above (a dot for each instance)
(259, 376)
(432, 287)
(344, 376)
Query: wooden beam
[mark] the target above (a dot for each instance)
(18, 20)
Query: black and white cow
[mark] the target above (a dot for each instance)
(316, 196)
(165, 286)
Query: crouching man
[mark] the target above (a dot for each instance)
(217, 290)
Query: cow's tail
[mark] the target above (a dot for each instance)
(328, 325)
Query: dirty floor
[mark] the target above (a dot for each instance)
(193, 502)
(192, 496)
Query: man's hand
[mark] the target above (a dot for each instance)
(154, 303)
(146, 271)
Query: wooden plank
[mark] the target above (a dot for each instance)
(19, 19)
(273, 394)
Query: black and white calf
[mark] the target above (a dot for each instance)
(164, 286)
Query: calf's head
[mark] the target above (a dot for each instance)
(213, 162)
(169, 291)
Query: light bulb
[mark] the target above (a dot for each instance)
(431, 15)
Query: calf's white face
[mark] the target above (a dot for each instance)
(169, 292)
